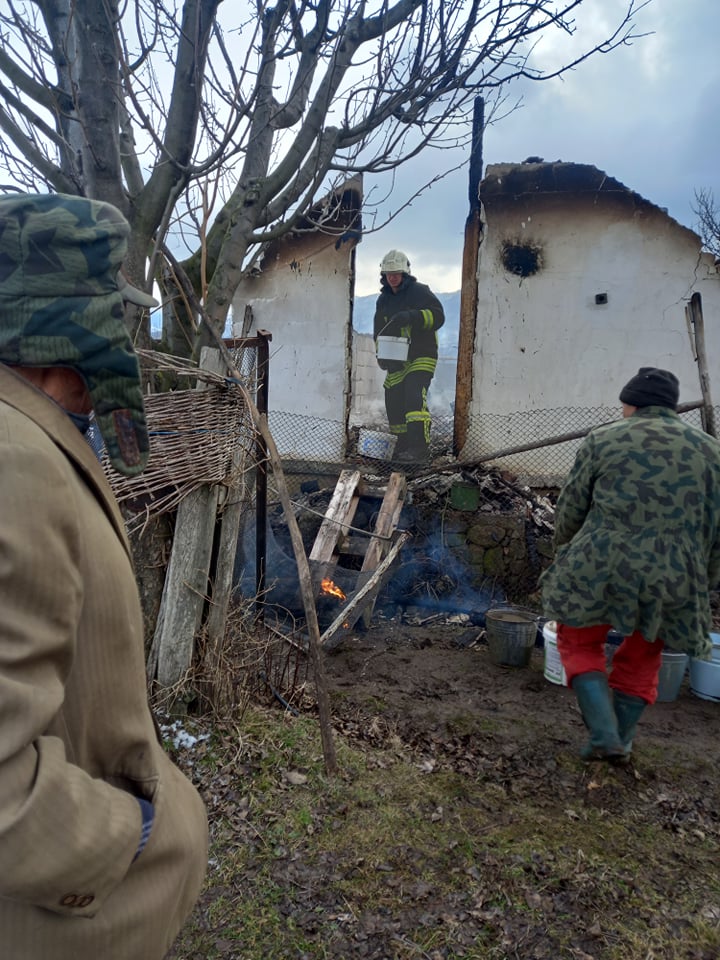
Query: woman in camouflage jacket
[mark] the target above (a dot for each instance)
(637, 540)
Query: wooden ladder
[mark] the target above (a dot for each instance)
(336, 536)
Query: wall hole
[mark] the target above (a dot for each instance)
(522, 259)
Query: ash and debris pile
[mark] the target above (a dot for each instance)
(498, 492)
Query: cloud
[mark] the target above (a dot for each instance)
(645, 114)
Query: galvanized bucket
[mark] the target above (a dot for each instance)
(671, 676)
(511, 633)
(393, 348)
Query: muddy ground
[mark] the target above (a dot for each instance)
(429, 679)
(542, 886)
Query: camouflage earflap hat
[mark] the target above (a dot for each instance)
(62, 305)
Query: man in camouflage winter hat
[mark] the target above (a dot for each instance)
(103, 841)
(637, 540)
(62, 297)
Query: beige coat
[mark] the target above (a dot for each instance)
(77, 739)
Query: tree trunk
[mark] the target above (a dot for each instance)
(151, 546)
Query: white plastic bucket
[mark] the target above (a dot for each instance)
(554, 670)
(392, 348)
(705, 679)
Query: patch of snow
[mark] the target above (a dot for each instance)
(179, 737)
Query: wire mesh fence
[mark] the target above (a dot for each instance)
(537, 446)
(209, 438)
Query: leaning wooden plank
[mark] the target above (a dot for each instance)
(230, 505)
(222, 587)
(696, 315)
(385, 525)
(323, 696)
(186, 585)
(386, 521)
(350, 614)
(339, 516)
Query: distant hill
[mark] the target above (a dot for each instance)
(364, 311)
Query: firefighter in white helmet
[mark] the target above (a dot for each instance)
(410, 310)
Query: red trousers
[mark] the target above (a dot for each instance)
(635, 664)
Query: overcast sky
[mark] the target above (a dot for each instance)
(646, 114)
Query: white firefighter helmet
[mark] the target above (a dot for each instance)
(395, 262)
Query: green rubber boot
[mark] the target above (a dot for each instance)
(596, 705)
(628, 710)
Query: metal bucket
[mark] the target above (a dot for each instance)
(511, 633)
(392, 348)
(612, 642)
(671, 676)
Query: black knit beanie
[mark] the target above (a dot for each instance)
(651, 387)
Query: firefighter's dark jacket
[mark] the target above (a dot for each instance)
(414, 312)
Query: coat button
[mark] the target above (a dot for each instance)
(77, 900)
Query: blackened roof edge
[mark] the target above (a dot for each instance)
(519, 179)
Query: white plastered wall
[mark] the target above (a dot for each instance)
(543, 342)
(302, 298)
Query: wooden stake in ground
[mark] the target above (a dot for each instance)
(695, 319)
(305, 579)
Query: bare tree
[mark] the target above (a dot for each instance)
(708, 216)
(215, 130)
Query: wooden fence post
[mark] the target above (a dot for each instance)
(186, 585)
(186, 589)
(694, 315)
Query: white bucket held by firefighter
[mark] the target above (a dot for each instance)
(392, 348)
(554, 670)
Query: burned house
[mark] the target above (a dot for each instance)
(302, 294)
(580, 281)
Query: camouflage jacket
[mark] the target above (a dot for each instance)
(637, 532)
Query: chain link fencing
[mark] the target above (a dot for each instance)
(537, 446)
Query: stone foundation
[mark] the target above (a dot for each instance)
(505, 548)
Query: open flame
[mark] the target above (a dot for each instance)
(329, 587)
